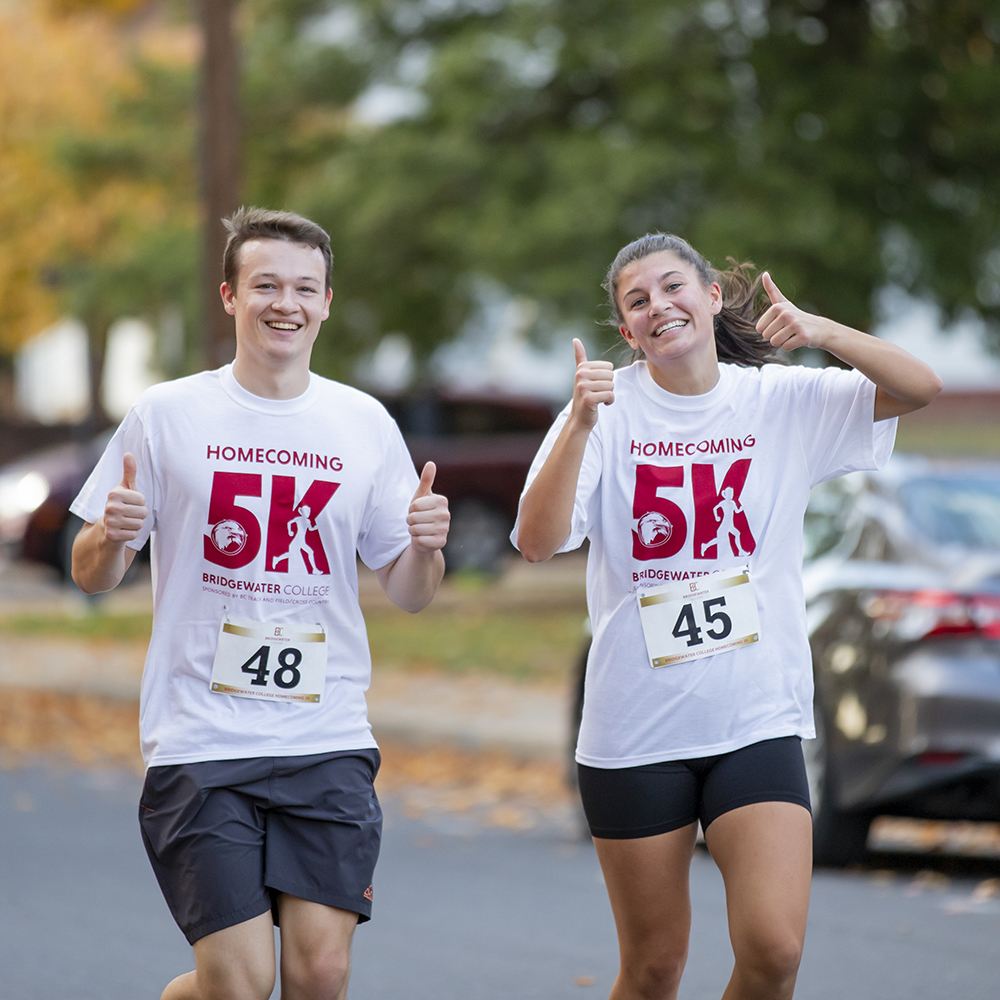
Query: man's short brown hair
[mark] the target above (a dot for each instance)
(247, 224)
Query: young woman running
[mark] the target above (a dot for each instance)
(691, 482)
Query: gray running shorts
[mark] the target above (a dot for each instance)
(224, 837)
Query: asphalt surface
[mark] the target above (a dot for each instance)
(460, 913)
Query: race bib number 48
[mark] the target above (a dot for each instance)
(715, 614)
(269, 661)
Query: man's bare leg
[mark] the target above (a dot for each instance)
(315, 949)
(236, 963)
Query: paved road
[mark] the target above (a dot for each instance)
(461, 913)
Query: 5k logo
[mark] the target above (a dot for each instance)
(660, 528)
(293, 539)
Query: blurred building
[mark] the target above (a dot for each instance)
(130, 366)
(965, 418)
(51, 373)
(958, 352)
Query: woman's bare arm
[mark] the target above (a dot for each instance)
(903, 382)
(546, 513)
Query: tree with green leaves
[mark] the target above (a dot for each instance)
(844, 145)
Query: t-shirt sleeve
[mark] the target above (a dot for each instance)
(384, 531)
(834, 413)
(587, 495)
(92, 498)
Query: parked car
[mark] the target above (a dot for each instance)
(482, 444)
(35, 494)
(902, 584)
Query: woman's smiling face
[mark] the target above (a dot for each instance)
(668, 312)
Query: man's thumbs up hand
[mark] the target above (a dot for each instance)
(126, 507)
(128, 471)
(428, 516)
(426, 481)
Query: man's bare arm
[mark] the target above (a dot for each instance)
(100, 555)
(412, 579)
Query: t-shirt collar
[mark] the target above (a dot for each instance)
(704, 401)
(279, 407)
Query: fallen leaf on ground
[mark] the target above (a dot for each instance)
(495, 788)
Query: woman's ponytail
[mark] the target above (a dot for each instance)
(736, 337)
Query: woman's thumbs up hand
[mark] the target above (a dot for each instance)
(594, 384)
(787, 326)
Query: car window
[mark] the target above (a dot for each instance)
(955, 510)
(826, 515)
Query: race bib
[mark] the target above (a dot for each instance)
(270, 661)
(714, 614)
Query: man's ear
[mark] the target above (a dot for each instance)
(228, 298)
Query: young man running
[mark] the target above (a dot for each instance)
(259, 805)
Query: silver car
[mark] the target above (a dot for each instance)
(902, 581)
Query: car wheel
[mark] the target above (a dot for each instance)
(839, 838)
(577, 682)
(66, 539)
(478, 538)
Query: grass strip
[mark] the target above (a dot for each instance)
(93, 626)
(520, 644)
(513, 643)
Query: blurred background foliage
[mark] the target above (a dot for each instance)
(846, 145)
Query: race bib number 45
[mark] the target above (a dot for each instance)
(715, 614)
(269, 661)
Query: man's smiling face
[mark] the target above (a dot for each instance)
(279, 302)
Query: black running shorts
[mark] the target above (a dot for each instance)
(631, 802)
(224, 837)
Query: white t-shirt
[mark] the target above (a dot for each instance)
(726, 476)
(227, 477)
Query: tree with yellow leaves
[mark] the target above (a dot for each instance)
(97, 190)
(50, 81)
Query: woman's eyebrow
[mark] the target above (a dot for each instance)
(663, 277)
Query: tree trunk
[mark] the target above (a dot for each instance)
(220, 166)
(98, 322)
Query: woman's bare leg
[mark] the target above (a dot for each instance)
(647, 882)
(764, 852)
